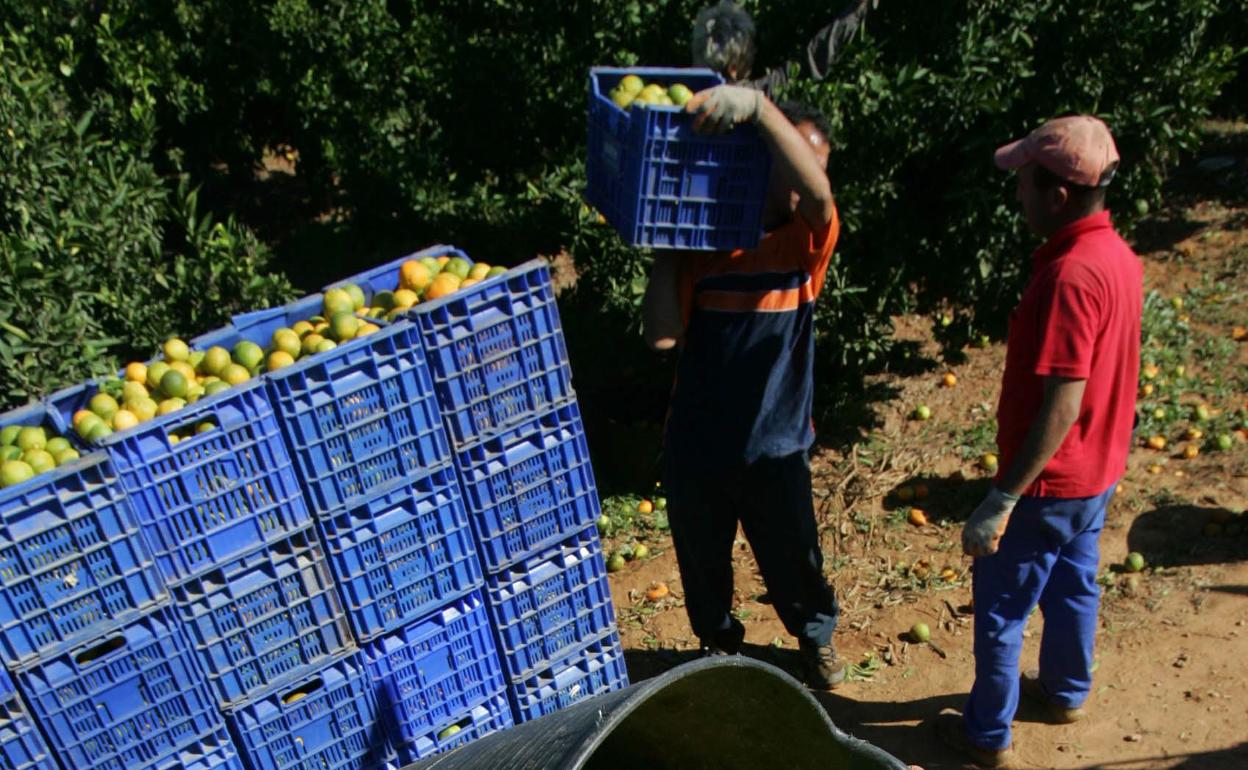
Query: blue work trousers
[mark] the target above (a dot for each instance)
(1048, 555)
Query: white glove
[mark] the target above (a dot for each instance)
(982, 532)
(721, 108)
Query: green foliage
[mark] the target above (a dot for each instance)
(101, 259)
(463, 121)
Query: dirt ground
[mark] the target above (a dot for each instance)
(1172, 654)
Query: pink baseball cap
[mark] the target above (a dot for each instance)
(1078, 149)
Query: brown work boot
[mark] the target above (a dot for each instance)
(951, 729)
(824, 671)
(1031, 688)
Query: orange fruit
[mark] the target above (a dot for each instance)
(949, 380)
(479, 271)
(917, 517)
(645, 506)
(442, 285)
(82, 414)
(1239, 334)
(657, 591)
(1157, 442)
(442, 260)
(136, 372)
(414, 276)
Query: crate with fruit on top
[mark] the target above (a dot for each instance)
(493, 338)
(657, 182)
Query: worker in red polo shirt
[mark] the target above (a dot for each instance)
(1064, 429)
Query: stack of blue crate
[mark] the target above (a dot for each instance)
(368, 447)
(105, 671)
(504, 390)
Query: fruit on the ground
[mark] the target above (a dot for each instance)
(1157, 442)
(660, 503)
(1159, 413)
(919, 632)
(1239, 333)
(641, 552)
(1155, 468)
(1202, 412)
(1224, 441)
(645, 506)
(1134, 562)
(657, 591)
(1146, 390)
(917, 517)
(989, 462)
(1150, 371)
(1194, 434)
(922, 412)
(604, 525)
(949, 380)
(1191, 451)
(616, 562)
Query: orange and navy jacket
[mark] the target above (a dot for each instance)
(745, 378)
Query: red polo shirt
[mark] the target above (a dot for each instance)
(1078, 318)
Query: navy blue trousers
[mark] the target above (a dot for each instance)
(1048, 555)
(771, 499)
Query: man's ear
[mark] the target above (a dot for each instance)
(1059, 196)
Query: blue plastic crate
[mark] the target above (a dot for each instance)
(403, 553)
(436, 674)
(130, 698)
(661, 185)
(550, 603)
(488, 717)
(264, 617)
(357, 417)
(21, 745)
(210, 497)
(72, 558)
(529, 487)
(496, 349)
(594, 669)
(326, 721)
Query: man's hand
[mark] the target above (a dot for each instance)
(722, 108)
(982, 532)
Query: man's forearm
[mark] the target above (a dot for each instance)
(797, 163)
(825, 48)
(661, 320)
(1058, 413)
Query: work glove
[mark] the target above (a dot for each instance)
(720, 109)
(981, 535)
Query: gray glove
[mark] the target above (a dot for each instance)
(982, 532)
(721, 108)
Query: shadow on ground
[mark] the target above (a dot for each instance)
(1189, 535)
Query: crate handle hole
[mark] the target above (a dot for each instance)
(193, 428)
(100, 650)
(302, 691)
